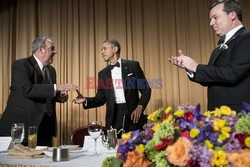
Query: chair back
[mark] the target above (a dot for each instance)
(77, 137)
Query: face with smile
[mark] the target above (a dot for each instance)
(109, 52)
(48, 52)
(220, 21)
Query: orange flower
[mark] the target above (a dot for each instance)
(177, 153)
(240, 158)
(136, 159)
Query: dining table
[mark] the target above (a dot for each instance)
(78, 158)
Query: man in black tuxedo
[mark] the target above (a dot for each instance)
(119, 85)
(227, 74)
(33, 93)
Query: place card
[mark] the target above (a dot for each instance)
(5, 143)
(89, 144)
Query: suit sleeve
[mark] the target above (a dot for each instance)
(145, 90)
(98, 100)
(231, 73)
(23, 79)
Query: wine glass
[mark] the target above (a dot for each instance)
(17, 133)
(95, 129)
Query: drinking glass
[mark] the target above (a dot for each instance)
(17, 133)
(32, 137)
(95, 129)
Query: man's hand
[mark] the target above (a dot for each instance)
(136, 114)
(184, 61)
(63, 97)
(66, 87)
(79, 99)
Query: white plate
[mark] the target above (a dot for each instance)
(71, 147)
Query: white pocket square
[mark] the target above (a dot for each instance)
(130, 74)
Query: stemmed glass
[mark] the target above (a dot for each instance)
(17, 133)
(95, 129)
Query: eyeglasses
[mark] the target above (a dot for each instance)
(51, 48)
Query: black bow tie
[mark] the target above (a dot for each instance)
(221, 41)
(117, 64)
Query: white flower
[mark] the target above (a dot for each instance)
(223, 46)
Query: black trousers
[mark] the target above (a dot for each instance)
(46, 131)
(122, 120)
(121, 114)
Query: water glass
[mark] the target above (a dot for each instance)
(32, 137)
(17, 133)
(95, 129)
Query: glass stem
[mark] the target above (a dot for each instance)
(95, 147)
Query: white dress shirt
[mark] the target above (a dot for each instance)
(40, 64)
(116, 74)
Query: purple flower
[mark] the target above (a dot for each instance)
(246, 106)
(233, 143)
(201, 137)
(201, 154)
(130, 144)
(184, 124)
(231, 121)
(213, 137)
(197, 110)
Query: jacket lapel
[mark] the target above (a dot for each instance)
(36, 68)
(218, 51)
(124, 74)
(107, 76)
(215, 55)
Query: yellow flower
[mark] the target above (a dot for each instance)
(141, 148)
(156, 127)
(223, 136)
(226, 129)
(217, 112)
(219, 158)
(126, 136)
(234, 112)
(225, 110)
(152, 116)
(247, 141)
(207, 114)
(209, 144)
(194, 133)
(179, 113)
(219, 124)
(169, 119)
(168, 110)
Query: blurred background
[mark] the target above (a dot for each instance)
(149, 31)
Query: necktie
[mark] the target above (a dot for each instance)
(49, 106)
(221, 41)
(117, 64)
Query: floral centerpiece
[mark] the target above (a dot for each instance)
(187, 137)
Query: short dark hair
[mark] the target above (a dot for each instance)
(229, 6)
(39, 43)
(114, 42)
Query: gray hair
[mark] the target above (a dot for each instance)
(114, 42)
(230, 6)
(39, 43)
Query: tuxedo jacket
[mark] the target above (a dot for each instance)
(27, 100)
(227, 74)
(134, 82)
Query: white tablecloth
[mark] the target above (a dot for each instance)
(79, 159)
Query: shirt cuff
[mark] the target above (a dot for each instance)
(54, 89)
(85, 103)
(190, 74)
